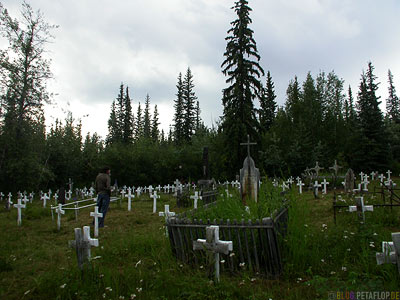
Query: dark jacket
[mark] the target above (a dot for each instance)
(103, 182)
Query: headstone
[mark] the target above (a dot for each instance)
(96, 215)
(214, 245)
(19, 206)
(249, 176)
(349, 181)
(59, 212)
(82, 244)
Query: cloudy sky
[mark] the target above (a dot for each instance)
(145, 44)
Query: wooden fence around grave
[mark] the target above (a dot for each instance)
(255, 243)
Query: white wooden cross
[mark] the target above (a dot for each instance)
(166, 213)
(373, 175)
(195, 197)
(123, 192)
(324, 183)
(284, 186)
(290, 181)
(25, 199)
(138, 192)
(361, 176)
(31, 196)
(59, 212)
(300, 184)
(44, 198)
(19, 206)
(316, 186)
(96, 215)
(56, 197)
(365, 183)
(168, 187)
(154, 196)
(358, 190)
(158, 188)
(150, 190)
(390, 251)
(360, 207)
(388, 174)
(213, 244)
(130, 196)
(9, 201)
(69, 193)
(381, 178)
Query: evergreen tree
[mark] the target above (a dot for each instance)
(292, 104)
(267, 105)
(189, 100)
(128, 119)
(243, 72)
(373, 152)
(112, 125)
(197, 116)
(179, 112)
(155, 132)
(147, 118)
(139, 123)
(392, 102)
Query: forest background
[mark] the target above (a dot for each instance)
(321, 120)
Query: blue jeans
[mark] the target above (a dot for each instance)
(103, 201)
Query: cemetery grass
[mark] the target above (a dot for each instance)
(134, 259)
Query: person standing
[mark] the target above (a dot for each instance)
(103, 190)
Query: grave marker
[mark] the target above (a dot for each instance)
(300, 184)
(214, 245)
(390, 251)
(155, 197)
(96, 215)
(19, 206)
(59, 212)
(195, 197)
(130, 196)
(360, 207)
(82, 244)
(249, 176)
(324, 183)
(167, 214)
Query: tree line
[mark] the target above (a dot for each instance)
(321, 120)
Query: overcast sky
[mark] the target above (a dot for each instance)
(146, 43)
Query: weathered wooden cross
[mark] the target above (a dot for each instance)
(360, 207)
(390, 251)
(82, 244)
(213, 244)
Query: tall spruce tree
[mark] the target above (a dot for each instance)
(189, 101)
(112, 126)
(128, 119)
(392, 102)
(147, 118)
(267, 110)
(139, 123)
(179, 112)
(373, 152)
(243, 72)
(155, 132)
(197, 116)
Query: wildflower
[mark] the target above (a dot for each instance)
(222, 261)
(139, 289)
(375, 233)
(133, 296)
(242, 264)
(305, 225)
(96, 257)
(344, 269)
(253, 279)
(181, 266)
(27, 292)
(109, 289)
(352, 233)
(241, 283)
(322, 260)
(102, 247)
(104, 295)
(232, 254)
(348, 249)
(201, 267)
(154, 263)
(345, 236)
(121, 297)
(63, 286)
(371, 244)
(333, 273)
(138, 263)
(101, 275)
(299, 279)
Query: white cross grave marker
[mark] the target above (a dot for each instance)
(381, 178)
(19, 206)
(154, 196)
(300, 184)
(316, 186)
(166, 213)
(96, 215)
(388, 174)
(195, 197)
(213, 244)
(82, 244)
(59, 212)
(130, 196)
(44, 198)
(324, 183)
